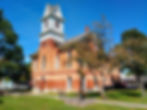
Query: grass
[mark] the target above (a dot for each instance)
(46, 103)
(127, 96)
(121, 95)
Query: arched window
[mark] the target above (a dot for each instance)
(95, 80)
(69, 83)
(57, 24)
(43, 62)
(69, 62)
(57, 63)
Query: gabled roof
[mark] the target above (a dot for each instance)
(75, 39)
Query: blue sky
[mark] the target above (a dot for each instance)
(25, 17)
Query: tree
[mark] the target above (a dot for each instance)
(132, 54)
(11, 53)
(91, 52)
(103, 30)
(87, 56)
(96, 57)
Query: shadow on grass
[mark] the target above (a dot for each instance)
(1, 99)
(92, 95)
(131, 93)
(114, 94)
(87, 95)
(123, 93)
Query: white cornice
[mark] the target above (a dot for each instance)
(53, 37)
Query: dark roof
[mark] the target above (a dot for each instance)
(74, 39)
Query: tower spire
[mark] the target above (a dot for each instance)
(52, 24)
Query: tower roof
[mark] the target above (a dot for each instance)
(54, 11)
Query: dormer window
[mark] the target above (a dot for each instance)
(69, 54)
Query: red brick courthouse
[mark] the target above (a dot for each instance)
(51, 69)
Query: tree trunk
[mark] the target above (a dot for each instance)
(81, 92)
(140, 82)
(103, 92)
(103, 87)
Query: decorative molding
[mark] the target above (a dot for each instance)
(52, 36)
(51, 31)
(53, 16)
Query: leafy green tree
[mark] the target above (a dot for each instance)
(132, 53)
(11, 53)
(26, 70)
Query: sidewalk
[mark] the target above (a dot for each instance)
(89, 101)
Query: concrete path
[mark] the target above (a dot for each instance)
(85, 102)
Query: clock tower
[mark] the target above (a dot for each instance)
(52, 27)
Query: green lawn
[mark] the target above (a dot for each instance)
(46, 103)
(121, 95)
(127, 96)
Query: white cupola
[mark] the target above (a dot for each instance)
(52, 24)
